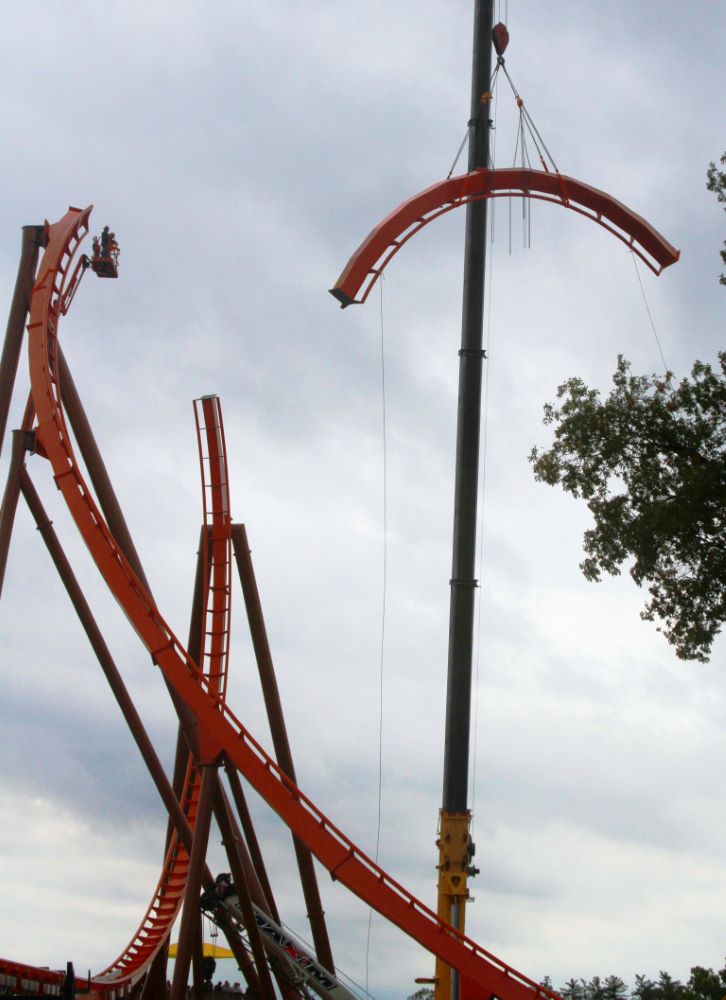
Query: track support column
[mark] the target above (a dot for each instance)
(103, 654)
(231, 845)
(273, 705)
(266, 898)
(33, 239)
(190, 910)
(22, 440)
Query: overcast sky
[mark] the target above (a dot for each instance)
(241, 151)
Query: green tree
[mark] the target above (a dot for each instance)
(717, 183)
(615, 988)
(670, 988)
(573, 989)
(705, 984)
(423, 994)
(650, 461)
(645, 989)
(595, 989)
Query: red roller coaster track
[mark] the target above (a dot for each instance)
(202, 691)
(156, 925)
(387, 238)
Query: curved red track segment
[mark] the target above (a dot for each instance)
(165, 904)
(217, 554)
(156, 925)
(331, 847)
(383, 242)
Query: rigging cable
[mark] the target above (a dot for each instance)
(493, 146)
(647, 309)
(492, 88)
(383, 613)
(539, 142)
(458, 154)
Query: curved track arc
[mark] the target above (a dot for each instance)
(168, 896)
(385, 240)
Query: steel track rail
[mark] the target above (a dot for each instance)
(168, 896)
(386, 239)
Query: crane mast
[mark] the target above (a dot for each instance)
(454, 841)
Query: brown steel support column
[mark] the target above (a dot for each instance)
(85, 615)
(231, 845)
(190, 909)
(242, 957)
(273, 705)
(194, 638)
(33, 239)
(253, 882)
(10, 498)
(254, 887)
(100, 478)
(155, 983)
(111, 508)
(258, 864)
(197, 955)
(181, 756)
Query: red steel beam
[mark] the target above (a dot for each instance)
(386, 239)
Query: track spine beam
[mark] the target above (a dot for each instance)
(386, 239)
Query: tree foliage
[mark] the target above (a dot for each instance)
(650, 461)
(717, 183)
(425, 993)
(703, 984)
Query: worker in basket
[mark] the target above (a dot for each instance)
(105, 254)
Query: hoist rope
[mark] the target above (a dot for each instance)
(526, 163)
(650, 315)
(531, 127)
(383, 614)
(493, 149)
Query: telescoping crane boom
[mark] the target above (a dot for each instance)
(473, 190)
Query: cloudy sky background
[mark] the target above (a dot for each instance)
(241, 152)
